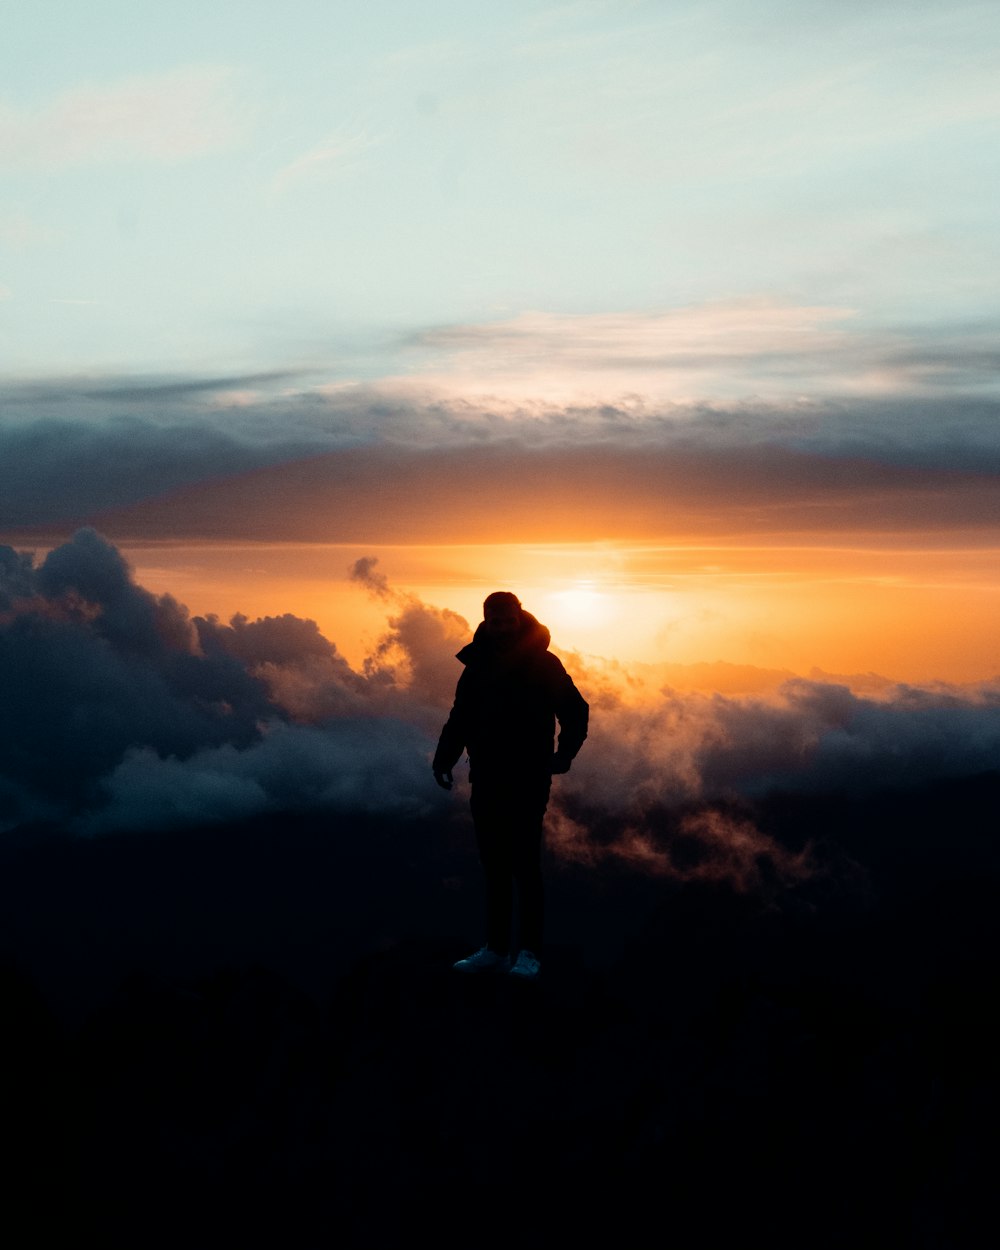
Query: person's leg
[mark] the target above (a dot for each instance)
(526, 863)
(527, 869)
(493, 841)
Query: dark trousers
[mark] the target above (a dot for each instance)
(508, 818)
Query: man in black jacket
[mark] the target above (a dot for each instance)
(507, 702)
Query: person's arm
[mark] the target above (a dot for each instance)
(451, 743)
(573, 713)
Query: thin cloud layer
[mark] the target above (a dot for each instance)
(338, 154)
(125, 713)
(184, 112)
(726, 350)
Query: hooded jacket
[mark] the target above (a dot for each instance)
(507, 703)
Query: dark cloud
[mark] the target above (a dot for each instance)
(134, 389)
(807, 737)
(121, 712)
(57, 470)
(94, 665)
(363, 572)
(366, 466)
(672, 783)
(581, 490)
(70, 448)
(420, 644)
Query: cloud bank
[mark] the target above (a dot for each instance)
(796, 421)
(182, 458)
(125, 713)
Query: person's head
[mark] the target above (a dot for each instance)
(502, 616)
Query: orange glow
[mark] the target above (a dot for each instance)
(910, 615)
(585, 607)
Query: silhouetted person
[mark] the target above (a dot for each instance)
(507, 702)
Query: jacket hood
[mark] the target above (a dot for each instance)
(533, 636)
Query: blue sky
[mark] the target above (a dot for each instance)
(341, 186)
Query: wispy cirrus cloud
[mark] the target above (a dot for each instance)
(738, 328)
(20, 231)
(180, 113)
(336, 154)
(723, 349)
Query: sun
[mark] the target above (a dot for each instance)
(582, 608)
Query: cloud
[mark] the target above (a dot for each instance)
(707, 845)
(173, 457)
(655, 748)
(421, 641)
(94, 396)
(363, 572)
(73, 446)
(19, 231)
(679, 785)
(529, 490)
(94, 664)
(343, 767)
(123, 713)
(727, 330)
(725, 349)
(177, 457)
(178, 114)
(339, 153)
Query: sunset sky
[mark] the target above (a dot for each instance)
(680, 319)
(320, 320)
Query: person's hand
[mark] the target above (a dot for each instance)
(560, 764)
(444, 780)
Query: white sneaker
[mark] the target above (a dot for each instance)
(527, 966)
(484, 960)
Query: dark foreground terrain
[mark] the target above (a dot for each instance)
(252, 1036)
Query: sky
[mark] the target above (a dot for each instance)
(368, 189)
(678, 319)
(319, 321)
